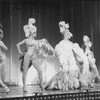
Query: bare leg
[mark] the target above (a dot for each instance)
(4, 86)
(48, 84)
(83, 83)
(96, 74)
(95, 71)
(52, 80)
(25, 69)
(36, 63)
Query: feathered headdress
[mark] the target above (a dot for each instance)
(64, 28)
(31, 21)
(87, 41)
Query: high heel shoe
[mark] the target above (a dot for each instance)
(6, 89)
(91, 85)
(42, 88)
(24, 89)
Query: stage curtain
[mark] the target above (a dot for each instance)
(83, 17)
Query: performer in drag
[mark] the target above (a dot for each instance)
(91, 58)
(68, 75)
(34, 49)
(2, 57)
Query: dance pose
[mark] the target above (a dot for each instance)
(75, 66)
(91, 58)
(85, 76)
(2, 57)
(68, 75)
(88, 68)
(35, 49)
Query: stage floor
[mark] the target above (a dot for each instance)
(16, 91)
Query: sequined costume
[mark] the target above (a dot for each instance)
(35, 50)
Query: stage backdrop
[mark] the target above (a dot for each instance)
(83, 17)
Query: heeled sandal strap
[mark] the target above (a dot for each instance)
(6, 88)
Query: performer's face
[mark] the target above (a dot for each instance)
(89, 44)
(86, 39)
(68, 34)
(34, 34)
(31, 21)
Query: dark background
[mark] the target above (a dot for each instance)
(83, 17)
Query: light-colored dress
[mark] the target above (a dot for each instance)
(68, 75)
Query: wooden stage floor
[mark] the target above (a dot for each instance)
(33, 90)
